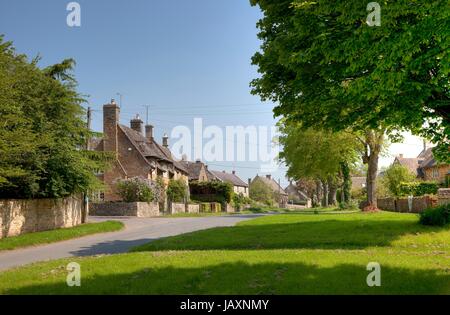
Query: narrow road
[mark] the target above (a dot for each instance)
(137, 231)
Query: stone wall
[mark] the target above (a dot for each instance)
(192, 208)
(401, 204)
(34, 215)
(125, 209)
(444, 196)
(177, 208)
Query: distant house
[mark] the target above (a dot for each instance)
(412, 164)
(137, 154)
(239, 186)
(425, 167)
(281, 196)
(197, 171)
(296, 196)
(358, 182)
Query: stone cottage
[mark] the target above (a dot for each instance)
(296, 196)
(197, 171)
(279, 193)
(239, 186)
(136, 151)
(425, 167)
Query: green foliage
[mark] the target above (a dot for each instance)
(213, 191)
(418, 188)
(438, 216)
(261, 193)
(347, 181)
(239, 201)
(327, 68)
(314, 153)
(43, 131)
(177, 191)
(135, 190)
(394, 176)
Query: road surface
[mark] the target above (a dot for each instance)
(137, 231)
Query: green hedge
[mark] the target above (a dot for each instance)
(213, 191)
(419, 188)
(438, 216)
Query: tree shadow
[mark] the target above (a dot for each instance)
(110, 247)
(326, 234)
(244, 278)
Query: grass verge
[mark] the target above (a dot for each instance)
(281, 254)
(45, 237)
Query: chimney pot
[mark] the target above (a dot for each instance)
(149, 132)
(165, 140)
(137, 124)
(233, 172)
(269, 176)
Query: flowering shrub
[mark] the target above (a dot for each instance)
(136, 190)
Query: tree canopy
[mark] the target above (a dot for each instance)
(43, 130)
(326, 67)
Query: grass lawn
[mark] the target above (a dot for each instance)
(281, 254)
(46, 237)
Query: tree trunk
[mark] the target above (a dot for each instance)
(318, 193)
(332, 190)
(373, 144)
(325, 193)
(371, 181)
(347, 185)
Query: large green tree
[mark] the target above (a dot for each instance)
(319, 155)
(327, 68)
(42, 130)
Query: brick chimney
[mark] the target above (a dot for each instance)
(136, 124)
(149, 132)
(111, 114)
(269, 177)
(165, 140)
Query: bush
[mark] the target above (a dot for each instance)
(135, 190)
(239, 200)
(350, 205)
(177, 191)
(439, 216)
(418, 188)
(213, 191)
(394, 176)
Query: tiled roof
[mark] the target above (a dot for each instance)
(229, 178)
(411, 163)
(293, 189)
(272, 184)
(193, 169)
(151, 148)
(358, 182)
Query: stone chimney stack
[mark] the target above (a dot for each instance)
(149, 132)
(165, 140)
(269, 177)
(111, 116)
(136, 124)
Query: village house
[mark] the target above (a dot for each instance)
(296, 196)
(280, 195)
(137, 153)
(239, 186)
(425, 167)
(197, 171)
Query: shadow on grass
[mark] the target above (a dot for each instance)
(326, 234)
(243, 278)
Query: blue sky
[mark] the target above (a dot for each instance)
(184, 58)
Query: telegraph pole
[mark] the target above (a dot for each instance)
(89, 122)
